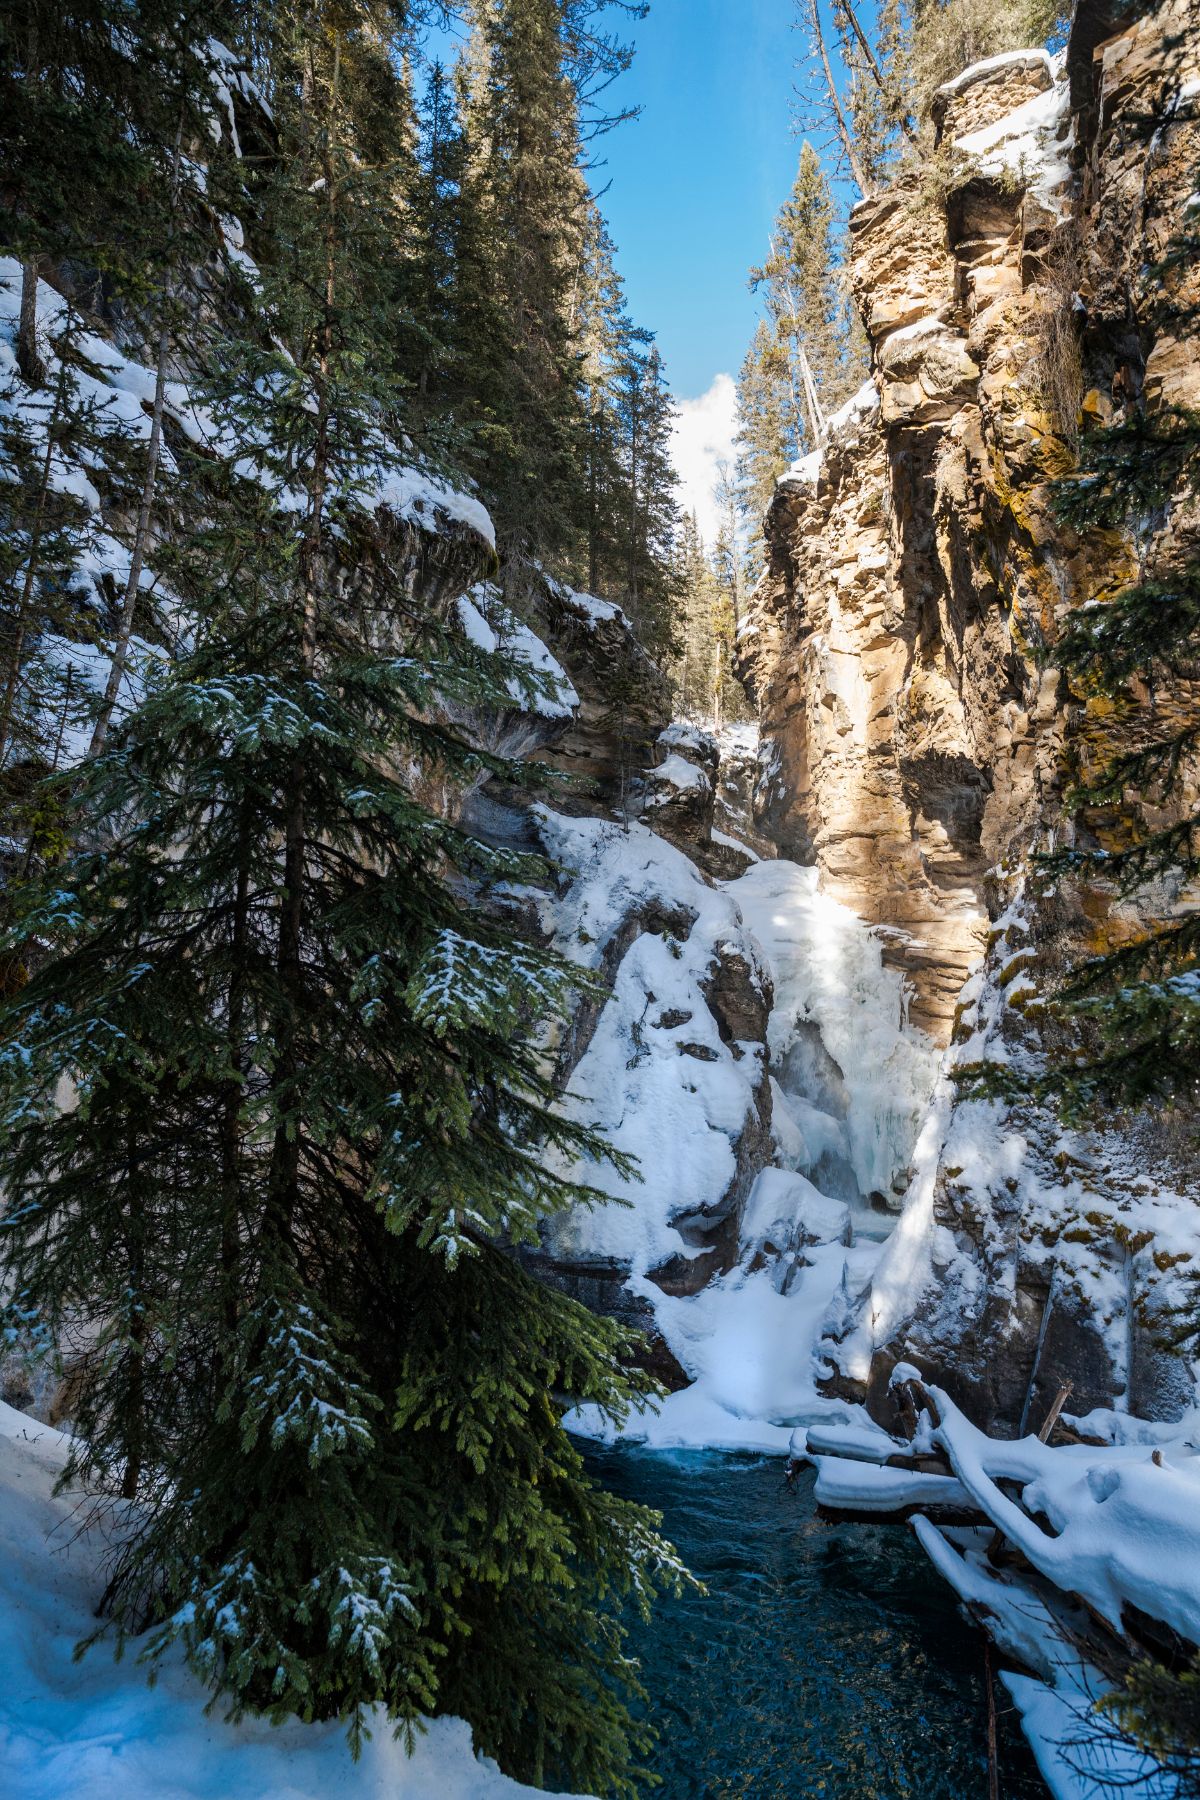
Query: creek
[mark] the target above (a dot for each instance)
(825, 1659)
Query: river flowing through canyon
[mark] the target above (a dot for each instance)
(825, 1659)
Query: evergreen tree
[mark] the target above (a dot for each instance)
(606, 338)
(697, 668)
(644, 422)
(803, 300)
(525, 182)
(767, 428)
(312, 1118)
(729, 569)
(947, 36)
(705, 685)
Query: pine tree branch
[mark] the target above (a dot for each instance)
(846, 9)
(811, 13)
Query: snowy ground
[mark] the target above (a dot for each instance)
(94, 1730)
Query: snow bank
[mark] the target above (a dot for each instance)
(751, 1353)
(95, 1728)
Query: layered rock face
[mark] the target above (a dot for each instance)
(916, 736)
(915, 567)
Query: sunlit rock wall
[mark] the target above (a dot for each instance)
(917, 738)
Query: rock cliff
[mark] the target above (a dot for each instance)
(916, 734)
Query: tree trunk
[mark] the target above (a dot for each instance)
(231, 1104)
(137, 557)
(133, 1428)
(848, 13)
(29, 356)
(285, 1152)
(865, 187)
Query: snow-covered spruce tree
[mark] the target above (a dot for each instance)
(270, 1216)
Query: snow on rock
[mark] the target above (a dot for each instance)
(423, 499)
(656, 1076)
(1098, 1240)
(693, 742)
(590, 608)
(1031, 143)
(785, 1212)
(492, 628)
(1006, 59)
(115, 392)
(862, 405)
(675, 772)
(95, 1727)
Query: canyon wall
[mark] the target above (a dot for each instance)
(917, 737)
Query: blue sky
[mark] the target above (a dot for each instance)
(695, 183)
(698, 178)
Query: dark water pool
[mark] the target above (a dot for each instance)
(825, 1659)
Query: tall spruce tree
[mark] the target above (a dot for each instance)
(767, 431)
(697, 667)
(310, 1119)
(804, 303)
(528, 189)
(645, 416)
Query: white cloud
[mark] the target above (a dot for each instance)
(704, 435)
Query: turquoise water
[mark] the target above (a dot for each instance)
(826, 1659)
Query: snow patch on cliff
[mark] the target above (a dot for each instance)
(656, 1075)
